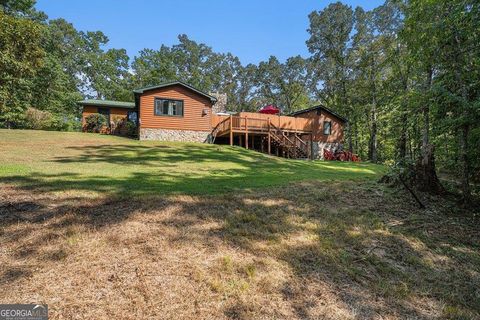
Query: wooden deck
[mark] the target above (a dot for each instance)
(283, 133)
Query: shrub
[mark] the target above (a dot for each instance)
(131, 129)
(125, 127)
(95, 122)
(65, 123)
(38, 119)
(71, 124)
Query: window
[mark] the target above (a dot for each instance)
(327, 127)
(168, 107)
(106, 113)
(132, 116)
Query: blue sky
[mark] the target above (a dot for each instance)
(252, 30)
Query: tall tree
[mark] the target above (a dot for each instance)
(20, 55)
(330, 43)
(283, 84)
(450, 31)
(194, 63)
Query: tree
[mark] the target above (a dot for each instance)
(453, 29)
(20, 55)
(104, 72)
(21, 8)
(330, 43)
(55, 87)
(442, 36)
(283, 84)
(194, 63)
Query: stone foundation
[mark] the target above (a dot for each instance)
(173, 135)
(317, 148)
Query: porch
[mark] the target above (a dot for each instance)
(281, 135)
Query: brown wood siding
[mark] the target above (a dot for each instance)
(281, 122)
(261, 119)
(194, 105)
(336, 134)
(116, 114)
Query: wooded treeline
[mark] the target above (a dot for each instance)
(406, 75)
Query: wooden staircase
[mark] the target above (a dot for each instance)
(285, 143)
(289, 145)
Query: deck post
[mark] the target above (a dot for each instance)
(311, 146)
(246, 132)
(231, 130)
(295, 146)
(269, 138)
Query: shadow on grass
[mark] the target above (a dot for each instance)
(346, 240)
(186, 169)
(375, 269)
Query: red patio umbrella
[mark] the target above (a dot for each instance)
(270, 109)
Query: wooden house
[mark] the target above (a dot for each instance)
(176, 111)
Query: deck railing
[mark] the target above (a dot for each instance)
(287, 136)
(259, 122)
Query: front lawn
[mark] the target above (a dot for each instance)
(101, 227)
(96, 164)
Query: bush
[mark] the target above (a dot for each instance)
(131, 129)
(38, 119)
(125, 127)
(95, 122)
(70, 124)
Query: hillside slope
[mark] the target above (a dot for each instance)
(101, 227)
(59, 161)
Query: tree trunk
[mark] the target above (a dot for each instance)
(464, 165)
(345, 103)
(372, 150)
(426, 119)
(425, 172)
(402, 141)
(425, 175)
(356, 135)
(465, 127)
(373, 134)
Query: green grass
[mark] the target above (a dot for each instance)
(61, 161)
(305, 248)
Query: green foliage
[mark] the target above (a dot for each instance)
(37, 119)
(196, 64)
(405, 74)
(283, 84)
(44, 120)
(17, 7)
(95, 122)
(20, 54)
(131, 128)
(125, 127)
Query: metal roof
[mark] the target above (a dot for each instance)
(319, 107)
(166, 84)
(107, 103)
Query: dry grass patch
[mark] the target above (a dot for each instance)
(306, 251)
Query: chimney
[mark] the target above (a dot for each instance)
(221, 104)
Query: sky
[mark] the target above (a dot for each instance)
(253, 30)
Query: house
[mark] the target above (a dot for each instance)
(327, 128)
(173, 111)
(115, 111)
(176, 111)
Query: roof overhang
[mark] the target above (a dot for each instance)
(107, 103)
(322, 108)
(172, 83)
